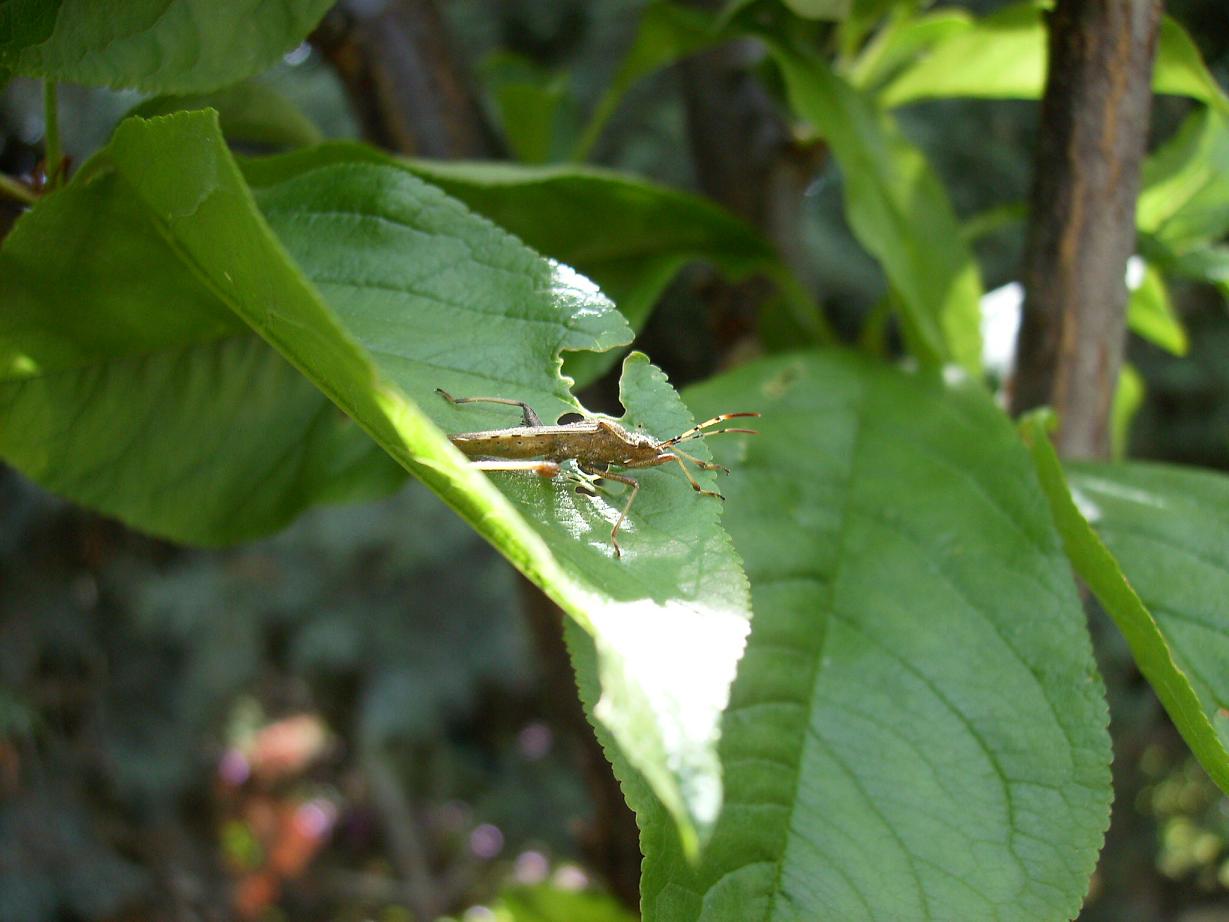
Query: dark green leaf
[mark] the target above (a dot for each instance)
(163, 46)
(1123, 502)
(820, 9)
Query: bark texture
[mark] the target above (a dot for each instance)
(1093, 133)
(406, 86)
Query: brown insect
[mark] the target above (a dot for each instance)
(596, 445)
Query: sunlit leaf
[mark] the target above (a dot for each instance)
(1003, 56)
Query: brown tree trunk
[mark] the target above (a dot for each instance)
(407, 88)
(1093, 133)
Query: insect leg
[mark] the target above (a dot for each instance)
(695, 484)
(635, 485)
(531, 417)
(702, 465)
(698, 430)
(541, 468)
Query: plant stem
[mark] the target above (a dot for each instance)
(52, 155)
(11, 188)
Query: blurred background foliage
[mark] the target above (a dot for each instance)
(348, 721)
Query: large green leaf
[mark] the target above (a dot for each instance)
(898, 210)
(163, 46)
(1003, 56)
(917, 730)
(134, 383)
(120, 369)
(1142, 510)
(629, 235)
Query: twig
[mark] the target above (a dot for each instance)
(1093, 133)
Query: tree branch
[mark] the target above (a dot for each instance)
(1093, 133)
(409, 90)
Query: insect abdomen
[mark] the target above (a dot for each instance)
(499, 444)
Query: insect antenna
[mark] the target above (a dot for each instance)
(697, 431)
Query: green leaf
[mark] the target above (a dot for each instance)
(149, 397)
(667, 33)
(1184, 201)
(551, 904)
(1128, 398)
(1204, 264)
(1166, 527)
(901, 40)
(1151, 314)
(162, 46)
(250, 113)
(119, 367)
(1180, 70)
(531, 102)
(865, 15)
(1003, 56)
(917, 730)
(898, 210)
(1095, 490)
(820, 9)
(629, 235)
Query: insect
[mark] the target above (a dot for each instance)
(596, 445)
